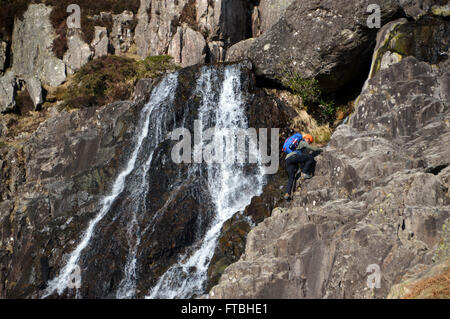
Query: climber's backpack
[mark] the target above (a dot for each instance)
(291, 143)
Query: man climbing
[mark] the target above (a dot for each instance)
(303, 155)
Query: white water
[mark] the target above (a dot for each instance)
(230, 187)
(163, 92)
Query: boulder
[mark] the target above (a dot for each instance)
(31, 48)
(417, 9)
(122, 31)
(327, 39)
(240, 50)
(100, 42)
(78, 52)
(7, 91)
(34, 89)
(188, 47)
(268, 13)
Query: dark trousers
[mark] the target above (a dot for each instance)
(307, 164)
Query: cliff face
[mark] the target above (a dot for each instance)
(380, 195)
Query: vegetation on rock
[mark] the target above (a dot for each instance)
(111, 78)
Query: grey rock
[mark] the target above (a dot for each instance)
(270, 12)
(188, 47)
(32, 43)
(34, 89)
(216, 51)
(327, 39)
(100, 42)
(122, 33)
(154, 30)
(7, 91)
(367, 202)
(239, 51)
(78, 52)
(3, 47)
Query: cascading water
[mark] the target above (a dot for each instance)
(161, 95)
(230, 184)
(138, 207)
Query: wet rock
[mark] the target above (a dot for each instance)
(32, 47)
(78, 53)
(188, 47)
(216, 51)
(366, 205)
(7, 91)
(100, 42)
(328, 40)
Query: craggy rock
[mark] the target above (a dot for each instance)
(32, 47)
(239, 51)
(188, 47)
(122, 31)
(328, 40)
(7, 91)
(3, 57)
(154, 30)
(268, 13)
(34, 89)
(100, 42)
(367, 203)
(216, 51)
(78, 53)
(417, 9)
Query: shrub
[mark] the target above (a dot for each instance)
(111, 78)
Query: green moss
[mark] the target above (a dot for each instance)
(443, 11)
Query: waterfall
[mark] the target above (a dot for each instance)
(230, 184)
(161, 95)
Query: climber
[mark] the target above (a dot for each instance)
(303, 155)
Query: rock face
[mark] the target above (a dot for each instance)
(154, 30)
(32, 47)
(78, 53)
(188, 47)
(3, 52)
(122, 33)
(268, 13)
(239, 51)
(34, 89)
(100, 42)
(220, 23)
(366, 205)
(328, 40)
(7, 90)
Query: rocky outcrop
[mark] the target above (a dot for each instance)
(239, 51)
(78, 53)
(32, 47)
(328, 40)
(267, 13)
(7, 91)
(154, 30)
(3, 56)
(100, 42)
(122, 31)
(366, 205)
(34, 89)
(188, 47)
